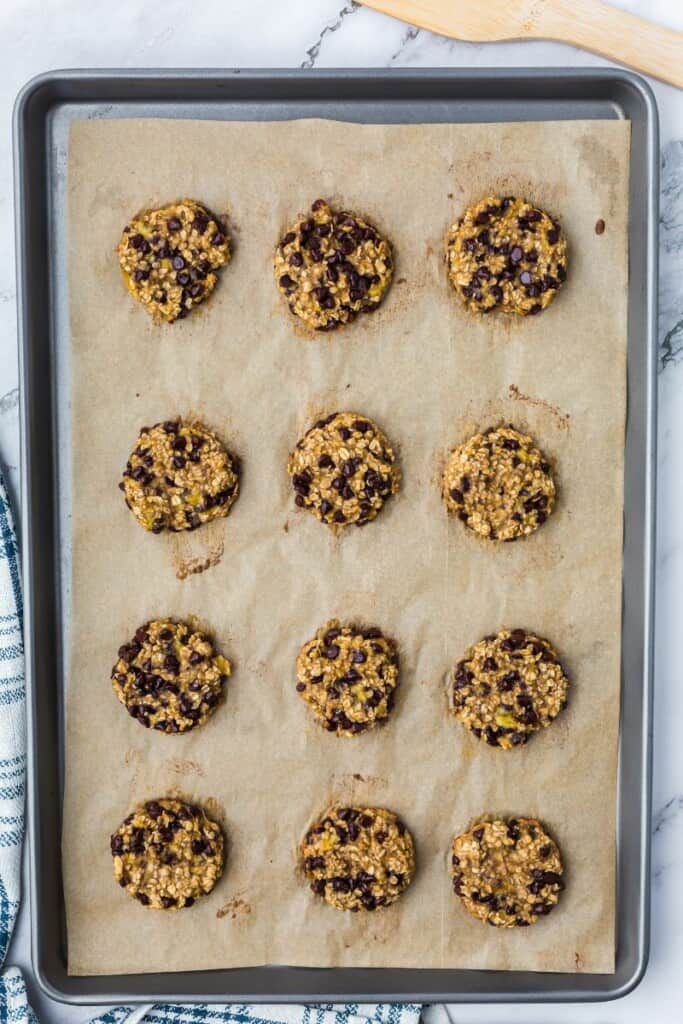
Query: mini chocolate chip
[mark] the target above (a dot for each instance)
(552, 878)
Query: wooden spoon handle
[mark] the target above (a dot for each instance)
(590, 24)
(618, 35)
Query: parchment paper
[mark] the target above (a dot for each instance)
(430, 374)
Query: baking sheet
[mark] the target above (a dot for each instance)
(429, 374)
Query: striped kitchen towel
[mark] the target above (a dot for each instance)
(12, 725)
(14, 1006)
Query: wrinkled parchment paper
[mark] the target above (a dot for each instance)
(430, 374)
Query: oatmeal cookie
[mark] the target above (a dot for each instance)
(358, 858)
(167, 853)
(169, 677)
(505, 254)
(332, 265)
(343, 470)
(508, 686)
(508, 873)
(499, 484)
(348, 675)
(169, 257)
(178, 476)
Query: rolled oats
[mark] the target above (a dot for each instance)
(332, 265)
(507, 255)
(169, 257)
(358, 858)
(507, 872)
(499, 484)
(178, 476)
(167, 854)
(348, 676)
(507, 687)
(169, 676)
(343, 470)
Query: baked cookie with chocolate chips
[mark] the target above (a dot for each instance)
(170, 257)
(358, 858)
(507, 873)
(499, 484)
(332, 265)
(507, 255)
(509, 686)
(348, 676)
(178, 476)
(167, 854)
(169, 677)
(343, 470)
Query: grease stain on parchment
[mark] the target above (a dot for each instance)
(197, 564)
(236, 907)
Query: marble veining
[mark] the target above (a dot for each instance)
(41, 34)
(313, 52)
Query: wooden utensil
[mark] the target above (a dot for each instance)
(590, 24)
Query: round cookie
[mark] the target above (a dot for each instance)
(343, 470)
(169, 257)
(509, 686)
(169, 677)
(358, 858)
(348, 676)
(507, 255)
(499, 484)
(167, 853)
(332, 265)
(507, 873)
(178, 476)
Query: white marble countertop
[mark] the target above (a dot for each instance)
(37, 35)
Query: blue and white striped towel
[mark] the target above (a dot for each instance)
(14, 1007)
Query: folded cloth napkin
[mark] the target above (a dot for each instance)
(14, 1006)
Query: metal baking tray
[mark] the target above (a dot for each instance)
(44, 110)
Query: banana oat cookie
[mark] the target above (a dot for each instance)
(358, 858)
(169, 676)
(343, 470)
(505, 254)
(507, 873)
(508, 686)
(178, 476)
(167, 853)
(499, 484)
(348, 675)
(332, 265)
(169, 257)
